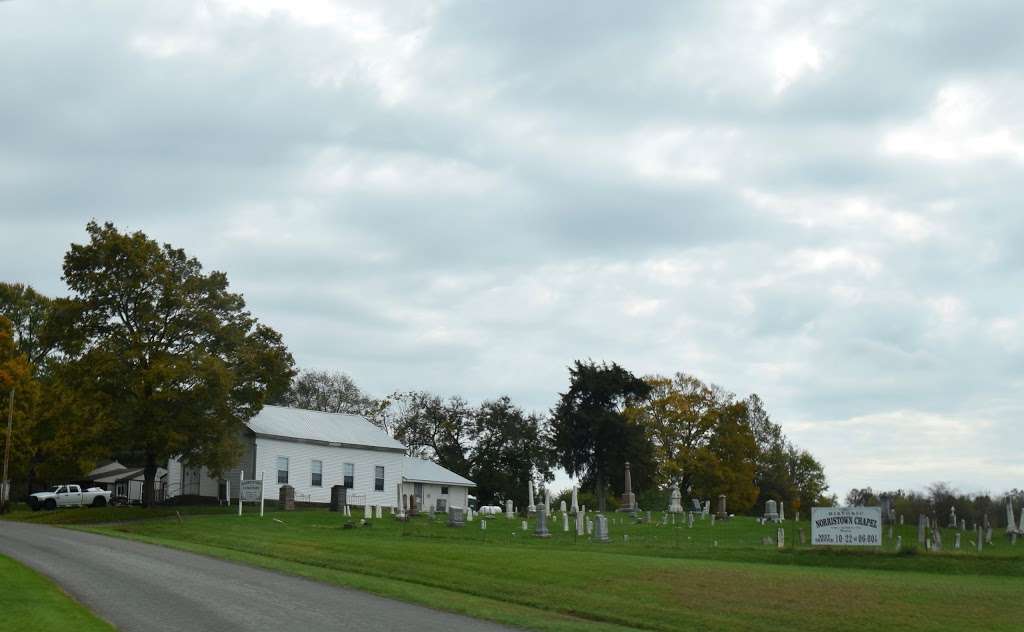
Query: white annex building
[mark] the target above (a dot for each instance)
(313, 451)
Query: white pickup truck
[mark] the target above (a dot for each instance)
(68, 496)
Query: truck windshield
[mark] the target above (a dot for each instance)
(56, 488)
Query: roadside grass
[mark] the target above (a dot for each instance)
(664, 578)
(97, 515)
(29, 601)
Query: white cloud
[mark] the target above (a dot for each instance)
(964, 125)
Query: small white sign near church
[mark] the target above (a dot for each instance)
(846, 526)
(252, 491)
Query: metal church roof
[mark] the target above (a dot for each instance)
(296, 424)
(417, 470)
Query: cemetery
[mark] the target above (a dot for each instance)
(570, 568)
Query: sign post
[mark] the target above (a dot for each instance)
(846, 526)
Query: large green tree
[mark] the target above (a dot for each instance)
(173, 355)
(591, 434)
(509, 449)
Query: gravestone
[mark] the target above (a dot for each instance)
(542, 525)
(628, 503)
(696, 505)
(648, 520)
(530, 508)
(899, 541)
(575, 501)
(675, 501)
(956, 541)
(782, 511)
(525, 526)
(508, 510)
(590, 526)
(771, 511)
(707, 508)
(561, 506)
(456, 518)
(1011, 524)
(579, 523)
(601, 529)
(483, 525)
(286, 498)
(712, 520)
(952, 518)
(922, 524)
(782, 538)
(689, 519)
(338, 497)
(565, 521)
(936, 539)
(722, 513)
(963, 524)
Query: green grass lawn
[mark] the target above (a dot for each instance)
(29, 601)
(664, 578)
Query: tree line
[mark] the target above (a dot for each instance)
(940, 501)
(151, 357)
(674, 431)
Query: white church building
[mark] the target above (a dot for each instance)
(313, 451)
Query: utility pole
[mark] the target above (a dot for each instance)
(5, 485)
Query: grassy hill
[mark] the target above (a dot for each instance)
(666, 577)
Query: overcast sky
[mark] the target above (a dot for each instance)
(817, 202)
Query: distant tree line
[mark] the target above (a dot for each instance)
(938, 499)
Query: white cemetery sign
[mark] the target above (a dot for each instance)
(846, 526)
(252, 491)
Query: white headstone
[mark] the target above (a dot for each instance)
(575, 502)
(782, 538)
(508, 509)
(675, 501)
(561, 506)
(565, 521)
(782, 510)
(483, 525)
(525, 526)
(579, 523)
(367, 512)
(530, 508)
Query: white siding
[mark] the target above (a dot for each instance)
(456, 496)
(300, 457)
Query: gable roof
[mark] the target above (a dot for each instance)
(416, 470)
(297, 424)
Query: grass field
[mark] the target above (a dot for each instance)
(664, 578)
(29, 601)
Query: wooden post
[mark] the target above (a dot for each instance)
(5, 485)
(262, 474)
(241, 477)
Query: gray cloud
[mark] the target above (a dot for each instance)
(812, 201)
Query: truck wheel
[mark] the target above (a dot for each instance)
(50, 504)
(99, 501)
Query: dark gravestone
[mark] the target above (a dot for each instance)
(455, 517)
(339, 496)
(286, 498)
